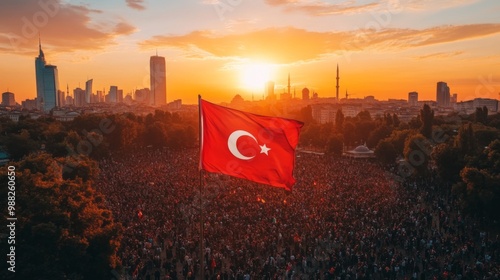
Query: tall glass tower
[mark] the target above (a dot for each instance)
(158, 80)
(47, 83)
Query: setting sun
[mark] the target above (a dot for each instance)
(255, 75)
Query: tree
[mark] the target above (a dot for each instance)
(364, 115)
(385, 152)
(20, 145)
(339, 120)
(379, 133)
(363, 129)
(465, 140)
(349, 133)
(335, 145)
(306, 115)
(449, 162)
(481, 192)
(426, 117)
(63, 229)
(481, 115)
(398, 139)
(395, 120)
(417, 153)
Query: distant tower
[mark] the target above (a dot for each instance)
(305, 94)
(443, 94)
(413, 98)
(288, 84)
(88, 90)
(158, 80)
(47, 82)
(8, 99)
(270, 91)
(337, 91)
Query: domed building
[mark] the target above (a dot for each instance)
(305, 94)
(360, 151)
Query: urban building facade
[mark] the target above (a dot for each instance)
(47, 83)
(158, 80)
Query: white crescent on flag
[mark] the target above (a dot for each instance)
(231, 143)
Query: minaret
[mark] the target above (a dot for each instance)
(289, 85)
(337, 82)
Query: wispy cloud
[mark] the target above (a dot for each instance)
(63, 26)
(434, 5)
(288, 45)
(440, 55)
(136, 4)
(322, 8)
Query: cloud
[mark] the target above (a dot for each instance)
(434, 5)
(322, 8)
(281, 45)
(289, 44)
(440, 55)
(136, 4)
(62, 26)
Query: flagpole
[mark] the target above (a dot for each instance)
(202, 227)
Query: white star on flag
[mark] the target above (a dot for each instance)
(264, 149)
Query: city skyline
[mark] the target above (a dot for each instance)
(223, 48)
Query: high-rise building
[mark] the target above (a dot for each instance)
(47, 83)
(88, 91)
(158, 80)
(270, 91)
(305, 94)
(119, 95)
(442, 95)
(453, 99)
(29, 104)
(100, 96)
(60, 98)
(79, 95)
(142, 95)
(413, 98)
(337, 87)
(8, 99)
(112, 96)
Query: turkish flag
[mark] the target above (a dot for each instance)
(248, 146)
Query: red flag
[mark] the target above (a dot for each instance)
(244, 145)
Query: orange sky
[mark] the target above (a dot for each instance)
(383, 48)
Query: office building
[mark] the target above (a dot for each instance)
(442, 95)
(79, 95)
(88, 91)
(270, 91)
(8, 99)
(47, 83)
(413, 99)
(158, 80)
(112, 94)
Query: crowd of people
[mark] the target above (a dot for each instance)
(344, 219)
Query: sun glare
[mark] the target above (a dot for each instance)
(255, 75)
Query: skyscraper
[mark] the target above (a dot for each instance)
(158, 80)
(413, 98)
(47, 83)
(289, 85)
(270, 91)
(8, 99)
(88, 91)
(337, 87)
(112, 96)
(443, 95)
(79, 95)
